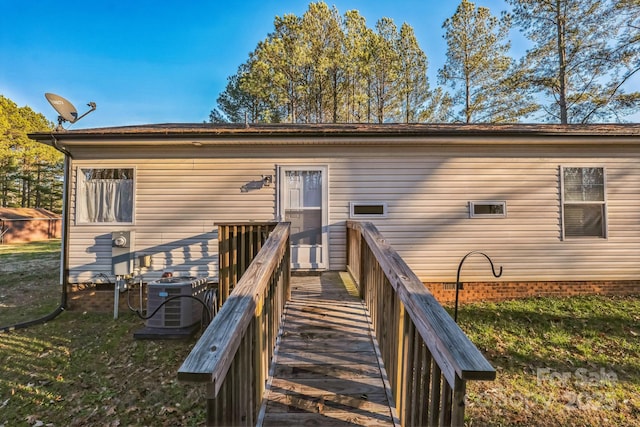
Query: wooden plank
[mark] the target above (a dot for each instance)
(335, 419)
(347, 371)
(326, 371)
(324, 396)
(212, 355)
(325, 345)
(328, 328)
(319, 358)
(362, 387)
(449, 346)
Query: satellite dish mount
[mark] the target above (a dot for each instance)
(66, 111)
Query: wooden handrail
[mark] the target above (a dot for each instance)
(234, 353)
(417, 337)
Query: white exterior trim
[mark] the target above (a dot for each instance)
(182, 191)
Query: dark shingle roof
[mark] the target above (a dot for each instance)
(180, 130)
(26, 213)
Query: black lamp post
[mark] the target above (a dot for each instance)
(459, 285)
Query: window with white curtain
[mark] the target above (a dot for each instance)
(583, 202)
(104, 195)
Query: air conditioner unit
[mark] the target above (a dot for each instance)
(180, 312)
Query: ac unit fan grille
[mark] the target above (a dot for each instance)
(172, 309)
(179, 312)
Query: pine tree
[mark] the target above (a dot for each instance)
(22, 161)
(322, 39)
(356, 67)
(236, 105)
(323, 67)
(275, 68)
(412, 83)
(385, 67)
(575, 64)
(478, 67)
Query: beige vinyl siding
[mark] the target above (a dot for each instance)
(429, 224)
(427, 190)
(178, 204)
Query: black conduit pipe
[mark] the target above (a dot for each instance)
(65, 250)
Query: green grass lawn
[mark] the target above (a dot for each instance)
(86, 370)
(559, 361)
(29, 281)
(82, 369)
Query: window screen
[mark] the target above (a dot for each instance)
(583, 202)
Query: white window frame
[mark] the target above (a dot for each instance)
(602, 203)
(353, 215)
(473, 203)
(79, 178)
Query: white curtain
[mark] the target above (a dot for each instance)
(105, 200)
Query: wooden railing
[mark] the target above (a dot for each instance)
(234, 353)
(428, 358)
(238, 244)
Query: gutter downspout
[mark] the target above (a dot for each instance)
(66, 195)
(64, 253)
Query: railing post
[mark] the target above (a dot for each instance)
(427, 356)
(259, 327)
(234, 353)
(458, 403)
(362, 266)
(224, 267)
(434, 402)
(445, 404)
(399, 359)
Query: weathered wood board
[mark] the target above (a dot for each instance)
(326, 370)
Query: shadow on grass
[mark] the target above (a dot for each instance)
(562, 334)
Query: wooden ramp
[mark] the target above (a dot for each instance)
(326, 370)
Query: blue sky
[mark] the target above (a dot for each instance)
(144, 61)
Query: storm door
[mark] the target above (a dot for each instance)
(303, 202)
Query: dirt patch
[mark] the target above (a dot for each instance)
(14, 263)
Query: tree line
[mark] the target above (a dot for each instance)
(30, 173)
(324, 67)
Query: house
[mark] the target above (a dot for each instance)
(558, 207)
(19, 225)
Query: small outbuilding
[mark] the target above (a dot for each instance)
(19, 225)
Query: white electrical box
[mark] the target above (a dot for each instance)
(122, 252)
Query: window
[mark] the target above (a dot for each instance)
(104, 196)
(488, 209)
(367, 210)
(583, 202)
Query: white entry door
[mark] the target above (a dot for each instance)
(303, 202)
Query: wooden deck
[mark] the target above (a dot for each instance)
(326, 370)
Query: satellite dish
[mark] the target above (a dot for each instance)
(67, 112)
